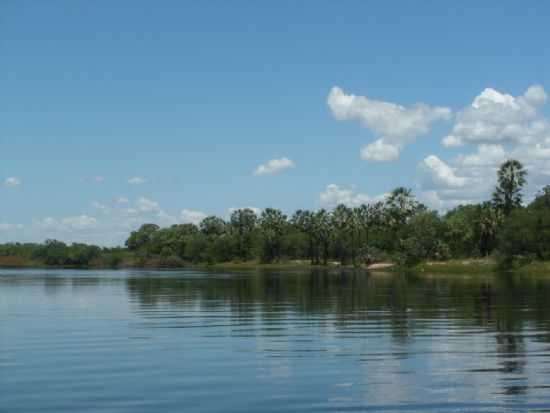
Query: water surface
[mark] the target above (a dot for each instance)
(173, 341)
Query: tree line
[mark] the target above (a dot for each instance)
(399, 229)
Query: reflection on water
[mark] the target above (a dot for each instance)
(145, 341)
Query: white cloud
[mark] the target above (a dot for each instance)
(68, 224)
(99, 179)
(394, 125)
(147, 205)
(79, 222)
(189, 216)
(273, 166)
(495, 117)
(127, 212)
(451, 141)
(441, 174)
(502, 127)
(12, 182)
(379, 151)
(333, 195)
(535, 95)
(121, 200)
(486, 155)
(104, 209)
(463, 180)
(136, 180)
(6, 226)
(164, 219)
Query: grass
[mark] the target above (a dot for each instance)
(456, 266)
(256, 264)
(18, 262)
(534, 268)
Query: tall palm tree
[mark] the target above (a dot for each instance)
(511, 179)
(401, 205)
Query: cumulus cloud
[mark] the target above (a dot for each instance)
(118, 219)
(494, 117)
(486, 155)
(136, 180)
(12, 182)
(394, 125)
(441, 174)
(380, 151)
(334, 195)
(274, 166)
(189, 216)
(69, 224)
(462, 180)
(6, 226)
(500, 126)
(104, 209)
(147, 205)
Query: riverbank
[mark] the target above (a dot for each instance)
(481, 266)
(470, 266)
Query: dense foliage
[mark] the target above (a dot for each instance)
(400, 229)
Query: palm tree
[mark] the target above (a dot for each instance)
(272, 223)
(401, 205)
(490, 219)
(357, 225)
(341, 219)
(322, 230)
(367, 217)
(511, 179)
(303, 220)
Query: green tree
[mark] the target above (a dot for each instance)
(304, 221)
(213, 226)
(243, 223)
(490, 218)
(542, 200)
(141, 239)
(422, 238)
(273, 225)
(462, 230)
(323, 231)
(341, 226)
(525, 235)
(400, 206)
(511, 179)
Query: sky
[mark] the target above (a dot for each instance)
(113, 114)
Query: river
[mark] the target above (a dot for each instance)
(268, 341)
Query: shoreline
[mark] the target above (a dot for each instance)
(466, 266)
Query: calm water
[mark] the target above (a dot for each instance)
(188, 341)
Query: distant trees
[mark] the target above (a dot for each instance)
(525, 235)
(399, 229)
(141, 239)
(54, 252)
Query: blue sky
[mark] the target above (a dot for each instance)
(193, 97)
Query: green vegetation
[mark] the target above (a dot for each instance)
(502, 233)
